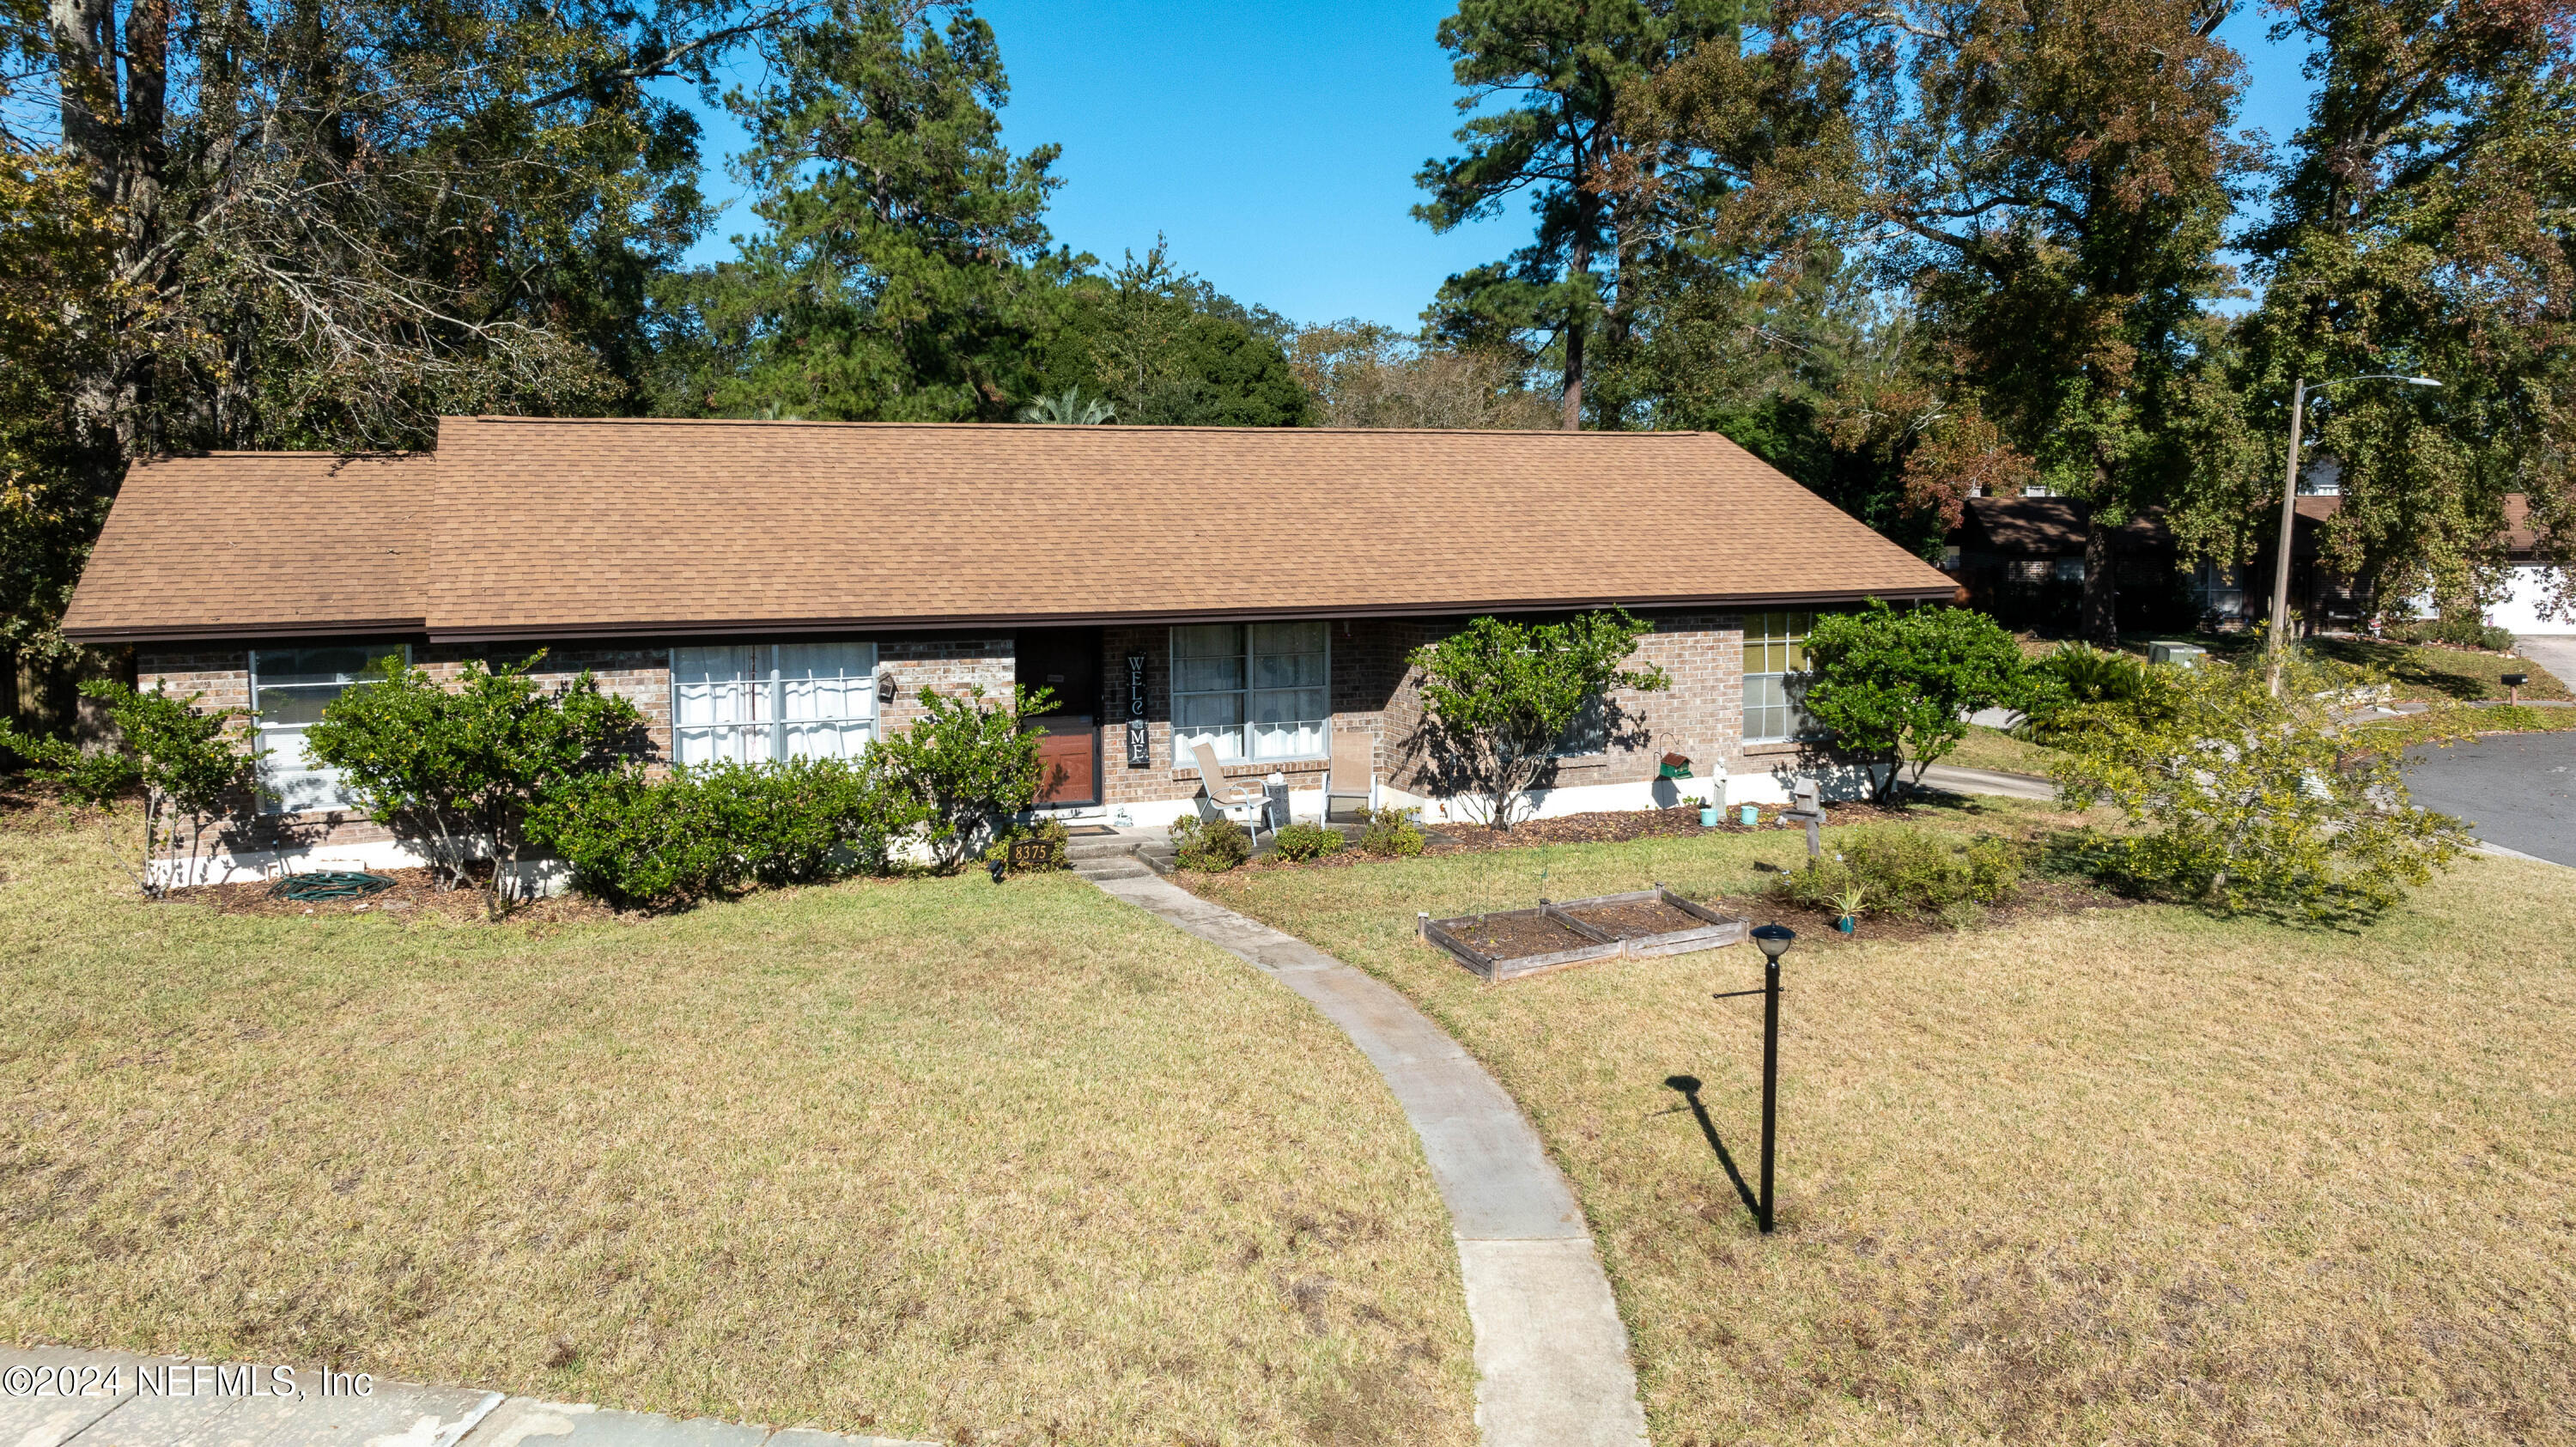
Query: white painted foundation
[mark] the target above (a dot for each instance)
(536, 877)
(1840, 782)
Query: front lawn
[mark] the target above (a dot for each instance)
(925, 1158)
(1996, 750)
(2131, 1175)
(2423, 672)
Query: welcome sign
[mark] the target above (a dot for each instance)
(1140, 744)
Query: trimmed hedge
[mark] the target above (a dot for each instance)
(700, 832)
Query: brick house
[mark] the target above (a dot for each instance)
(768, 589)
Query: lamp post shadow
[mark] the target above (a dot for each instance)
(1689, 1086)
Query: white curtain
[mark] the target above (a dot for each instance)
(751, 703)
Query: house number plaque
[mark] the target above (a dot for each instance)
(1140, 747)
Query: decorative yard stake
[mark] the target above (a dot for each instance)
(1774, 940)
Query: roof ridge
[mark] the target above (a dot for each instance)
(1107, 430)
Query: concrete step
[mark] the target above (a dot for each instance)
(1097, 870)
(1099, 847)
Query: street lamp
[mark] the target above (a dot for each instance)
(2290, 505)
(1774, 940)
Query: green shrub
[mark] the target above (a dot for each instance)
(1300, 842)
(2075, 688)
(1210, 846)
(1391, 832)
(457, 770)
(970, 764)
(2459, 631)
(1501, 695)
(707, 831)
(1897, 688)
(185, 758)
(1052, 832)
(1904, 870)
(634, 841)
(2244, 798)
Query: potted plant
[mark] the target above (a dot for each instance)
(1849, 903)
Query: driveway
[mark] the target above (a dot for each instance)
(2517, 790)
(2556, 652)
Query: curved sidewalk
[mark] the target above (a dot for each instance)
(1551, 1354)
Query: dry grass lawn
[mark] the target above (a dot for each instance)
(1986, 748)
(2134, 1176)
(932, 1159)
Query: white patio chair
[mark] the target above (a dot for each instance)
(1229, 800)
(1353, 772)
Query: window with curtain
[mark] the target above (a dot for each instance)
(1255, 691)
(1775, 664)
(288, 689)
(757, 702)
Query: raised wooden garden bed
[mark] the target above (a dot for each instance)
(1514, 942)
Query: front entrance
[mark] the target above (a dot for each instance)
(1065, 662)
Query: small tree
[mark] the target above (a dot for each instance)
(969, 764)
(1504, 694)
(184, 757)
(1896, 686)
(2243, 799)
(459, 770)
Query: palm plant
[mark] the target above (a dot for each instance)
(1069, 408)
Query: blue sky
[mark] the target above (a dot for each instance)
(1274, 145)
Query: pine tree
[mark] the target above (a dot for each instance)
(905, 274)
(1567, 64)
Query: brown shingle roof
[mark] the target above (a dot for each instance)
(257, 544)
(641, 527)
(2043, 527)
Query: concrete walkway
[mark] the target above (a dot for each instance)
(1986, 781)
(173, 1402)
(1551, 1354)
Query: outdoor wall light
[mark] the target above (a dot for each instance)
(1774, 940)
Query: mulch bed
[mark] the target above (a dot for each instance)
(1636, 921)
(415, 895)
(1618, 826)
(1610, 827)
(2040, 899)
(1513, 939)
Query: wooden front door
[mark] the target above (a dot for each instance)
(1066, 662)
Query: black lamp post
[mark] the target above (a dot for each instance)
(1775, 940)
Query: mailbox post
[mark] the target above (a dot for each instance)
(1809, 810)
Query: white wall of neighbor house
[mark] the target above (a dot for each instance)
(2521, 610)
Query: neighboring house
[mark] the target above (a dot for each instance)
(770, 589)
(2533, 586)
(2021, 559)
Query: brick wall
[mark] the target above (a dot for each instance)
(946, 664)
(1375, 690)
(1701, 717)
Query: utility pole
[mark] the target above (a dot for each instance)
(2279, 640)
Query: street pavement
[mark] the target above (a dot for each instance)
(2517, 790)
(65, 1397)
